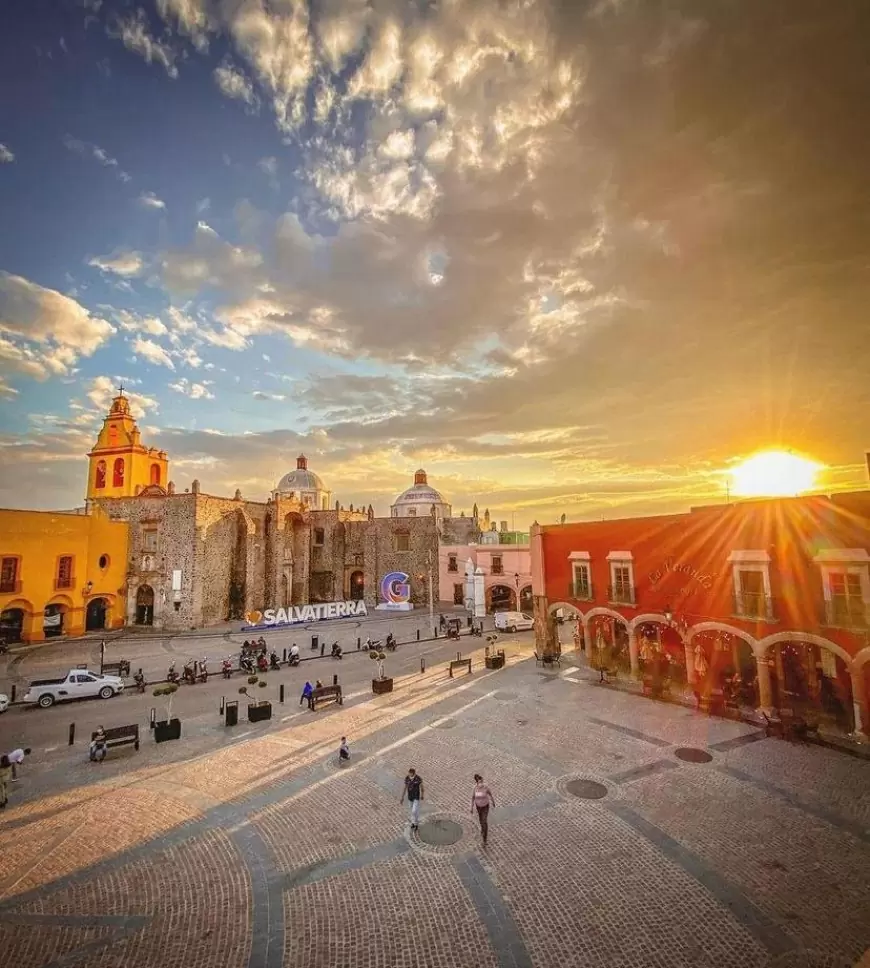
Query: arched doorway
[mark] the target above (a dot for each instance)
(11, 624)
(501, 598)
(527, 600)
(608, 643)
(95, 615)
(357, 586)
(53, 620)
(145, 605)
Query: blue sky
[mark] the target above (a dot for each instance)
(543, 249)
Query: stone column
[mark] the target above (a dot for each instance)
(765, 696)
(689, 653)
(633, 654)
(859, 704)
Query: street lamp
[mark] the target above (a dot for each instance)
(87, 588)
(517, 583)
(669, 615)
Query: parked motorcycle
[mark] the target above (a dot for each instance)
(203, 670)
(293, 660)
(227, 667)
(391, 643)
(172, 676)
(476, 631)
(187, 673)
(246, 663)
(336, 651)
(262, 663)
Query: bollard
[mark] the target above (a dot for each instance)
(221, 707)
(281, 693)
(284, 658)
(422, 664)
(459, 657)
(418, 635)
(313, 643)
(12, 697)
(358, 640)
(322, 649)
(335, 680)
(72, 733)
(470, 620)
(436, 631)
(153, 718)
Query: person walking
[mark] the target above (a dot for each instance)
(343, 752)
(307, 689)
(16, 758)
(97, 749)
(5, 775)
(414, 792)
(481, 801)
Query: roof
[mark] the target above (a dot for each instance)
(300, 480)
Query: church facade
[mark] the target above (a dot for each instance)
(197, 559)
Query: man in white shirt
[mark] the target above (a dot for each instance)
(16, 758)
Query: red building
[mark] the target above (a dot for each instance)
(773, 596)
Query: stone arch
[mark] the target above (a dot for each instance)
(806, 637)
(118, 472)
(96, 613)
(505, 600)
(601, 610)
(155, 475)
(750, 640)
(566, 605)
(100, 477)
(64, 600)
(861, 659)
(144, 605)
(649, 617)
(16, 619)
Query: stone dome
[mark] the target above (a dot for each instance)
(419, 500)
(304, 485)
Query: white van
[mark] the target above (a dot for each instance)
(513, 622)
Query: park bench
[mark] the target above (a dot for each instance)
(120, 736)
(325, 694)
(548, 660)
(458, 664)
(119, 668)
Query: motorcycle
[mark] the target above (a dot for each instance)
(274, 662)
(187, 673)
(336, 651)
(227, 668)
(373, 646)
(293, 660)
(390, 644)
(262, 663)
(246, 663)
(203, 670)
(139, 680)
(476, 631)
(172, 676)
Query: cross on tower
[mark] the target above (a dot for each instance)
(121, 390)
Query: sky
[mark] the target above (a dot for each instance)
(571, 257)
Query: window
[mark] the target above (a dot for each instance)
(100, 477)
(582, 586)
(496, 567)
(318, 536)
(847, 601)
(451, 563)
(458, 594)
(118, 473)
(846, 584)
(64, 572)
(149, 539)
(155, 473)
(358, 560)
(103, 562)
(9, 575)
(403, 541)
(750, 576)
(621, 591)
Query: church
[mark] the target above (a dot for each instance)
(197, 559)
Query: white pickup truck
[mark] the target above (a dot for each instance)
(77, 684)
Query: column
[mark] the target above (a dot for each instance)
(633, 654)
(689, 653)
(859, 704)
(765, 697)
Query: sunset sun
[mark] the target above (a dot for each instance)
(774, 473)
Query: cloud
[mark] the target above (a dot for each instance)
(150, 200)
(6, 156)
(134, 33)
(153, 352)
(268, 165)
(196, 391)
(260, 395)
(94, 152)
(235, 84)
(134, 323)
(126, 264)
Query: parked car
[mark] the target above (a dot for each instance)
(4, 702)
(76, 684)
(513, 622)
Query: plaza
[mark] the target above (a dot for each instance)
(627, 832)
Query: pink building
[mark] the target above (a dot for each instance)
(507, 574)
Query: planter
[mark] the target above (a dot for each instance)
(259, 712)
(495, 661)
(165, 730)
(380, 686)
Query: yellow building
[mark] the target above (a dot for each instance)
(119, 465)
(61, 573)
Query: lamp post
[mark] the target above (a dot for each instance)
(517, 583)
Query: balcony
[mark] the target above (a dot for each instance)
(847, 614)
(754, 605)
(10, 586)
(580, 591)
(63, 582)
(621, 595)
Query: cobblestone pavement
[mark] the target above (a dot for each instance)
(267, 853)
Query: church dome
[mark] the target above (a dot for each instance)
(419, 500)
(302, 484)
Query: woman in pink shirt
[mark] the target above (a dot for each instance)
(481, 800)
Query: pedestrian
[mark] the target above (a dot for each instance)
(307, 689)
(5, 774)
(414, 792)
(481, 800)
(97, 750)
(16, 758)
(343, 751)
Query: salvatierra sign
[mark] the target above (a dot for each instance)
(303, 614)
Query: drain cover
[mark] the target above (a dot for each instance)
(447, 724)
(440, 833)
(586, 789)
(689, 754)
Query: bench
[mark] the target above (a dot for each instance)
(325, 694)
(119, 668)
(120, 736)
(458, 664)
(550, 659)
(609, 675)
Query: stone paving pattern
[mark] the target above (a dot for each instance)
(266, 853)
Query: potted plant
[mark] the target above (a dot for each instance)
(382, 684)
(259, 710)
(493, 658)
(168, 728)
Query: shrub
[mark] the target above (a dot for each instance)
(263, 683)
(252, 680)
(243, 690)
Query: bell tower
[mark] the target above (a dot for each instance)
(119, 465)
